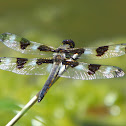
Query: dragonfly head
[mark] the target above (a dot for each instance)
(69, 42)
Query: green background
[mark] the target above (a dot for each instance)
(69, 102)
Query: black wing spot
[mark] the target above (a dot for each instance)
(70, 63)
(93, 68)
(79, 51)
(45, 48)
(74, 64)
(101, 50)
(21, 62)
(24, 43)
(40, 61)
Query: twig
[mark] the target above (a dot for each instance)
(23, 111)
(27, 107)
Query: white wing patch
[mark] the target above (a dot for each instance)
(79, 67)
(88, 51)
(32, 63)
(12, 38)
(49, 67)
(7, 61)
(108, 70)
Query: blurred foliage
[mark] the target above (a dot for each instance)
(68, 102)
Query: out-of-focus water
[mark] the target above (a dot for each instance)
(68, 102)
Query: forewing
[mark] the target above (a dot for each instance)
(35, 66)
(85, 71)
(101, 52)
(23, 45)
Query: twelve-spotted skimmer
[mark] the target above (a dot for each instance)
(64, 62)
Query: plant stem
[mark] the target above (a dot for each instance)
(23, 111)
(26, 108)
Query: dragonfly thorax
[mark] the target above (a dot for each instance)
(58, 57)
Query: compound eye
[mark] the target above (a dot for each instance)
(69, 42)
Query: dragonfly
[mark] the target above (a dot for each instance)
(63, 61)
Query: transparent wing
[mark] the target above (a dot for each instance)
(101, 52)
(23, 45)
(85, 71)
(26, 66)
